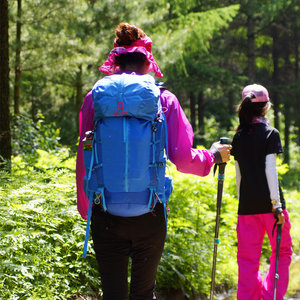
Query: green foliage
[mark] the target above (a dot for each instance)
(273, 9)
(28, 136)
(191, 226)
(200, 46)
(41, 232)
(187, 35)
(292, 198)
(42, 235)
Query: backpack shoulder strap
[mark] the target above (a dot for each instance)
(161, 89)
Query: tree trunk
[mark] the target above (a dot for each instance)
(288, 75)
(33, 109)
(193, 110)
(5, 136)
(287, 124)
(17, 92)
(78, 95)
(201, 117)
(296, 43)
(296, 40)
(275, 75)
(33, 104)
(251, 47)
(230, 107)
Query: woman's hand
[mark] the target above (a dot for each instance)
(221, 152)
(278, 214)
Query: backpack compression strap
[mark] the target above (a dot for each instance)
(90, 201)
(99, 193)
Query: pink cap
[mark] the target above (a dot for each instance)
(257, 93)
(142, 45)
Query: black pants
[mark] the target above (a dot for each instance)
(118, 238)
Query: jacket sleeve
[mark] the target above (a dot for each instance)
(85, 124)
(180, 139)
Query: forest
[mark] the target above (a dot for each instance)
(50, 52)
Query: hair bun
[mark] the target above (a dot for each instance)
(126, 34)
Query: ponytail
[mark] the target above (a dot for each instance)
(247, 110)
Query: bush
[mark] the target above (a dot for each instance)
(41, 232)
(191, 227)
(28, 136)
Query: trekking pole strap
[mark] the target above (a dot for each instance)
(167, 237)
(166, 134)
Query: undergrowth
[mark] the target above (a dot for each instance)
(41, 233)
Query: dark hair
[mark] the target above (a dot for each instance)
(126, 34)
(247, 110)
(134, 59)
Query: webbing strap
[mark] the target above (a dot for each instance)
(166, 134)
(150, 198)
(125, 139)
(101, 191)
(97, 167)
(152, 186)
(91, 165)
(88, 221)
(167, 237)
(90, 195)
(90, 202)
(153, 142)
(96, 153)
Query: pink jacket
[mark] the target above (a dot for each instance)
(180, 141)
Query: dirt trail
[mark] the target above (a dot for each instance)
(294, 284)
(293, 292)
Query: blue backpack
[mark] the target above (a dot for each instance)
(124, 155)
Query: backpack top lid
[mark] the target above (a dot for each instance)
(126, 95)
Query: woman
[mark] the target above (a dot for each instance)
(141, 237)
(254, 147)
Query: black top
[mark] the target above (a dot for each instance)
(250, 147)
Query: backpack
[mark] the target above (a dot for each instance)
(124, 155)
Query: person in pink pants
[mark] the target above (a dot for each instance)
(261, 203)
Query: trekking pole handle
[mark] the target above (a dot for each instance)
(225, 140)
(221, 165)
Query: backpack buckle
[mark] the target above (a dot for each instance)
(100, 198)
(154, 129)
(87, 142)
(97, 199)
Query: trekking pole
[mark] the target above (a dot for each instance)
(219, 200)
(278, 240)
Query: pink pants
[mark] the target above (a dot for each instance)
(250, 233)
